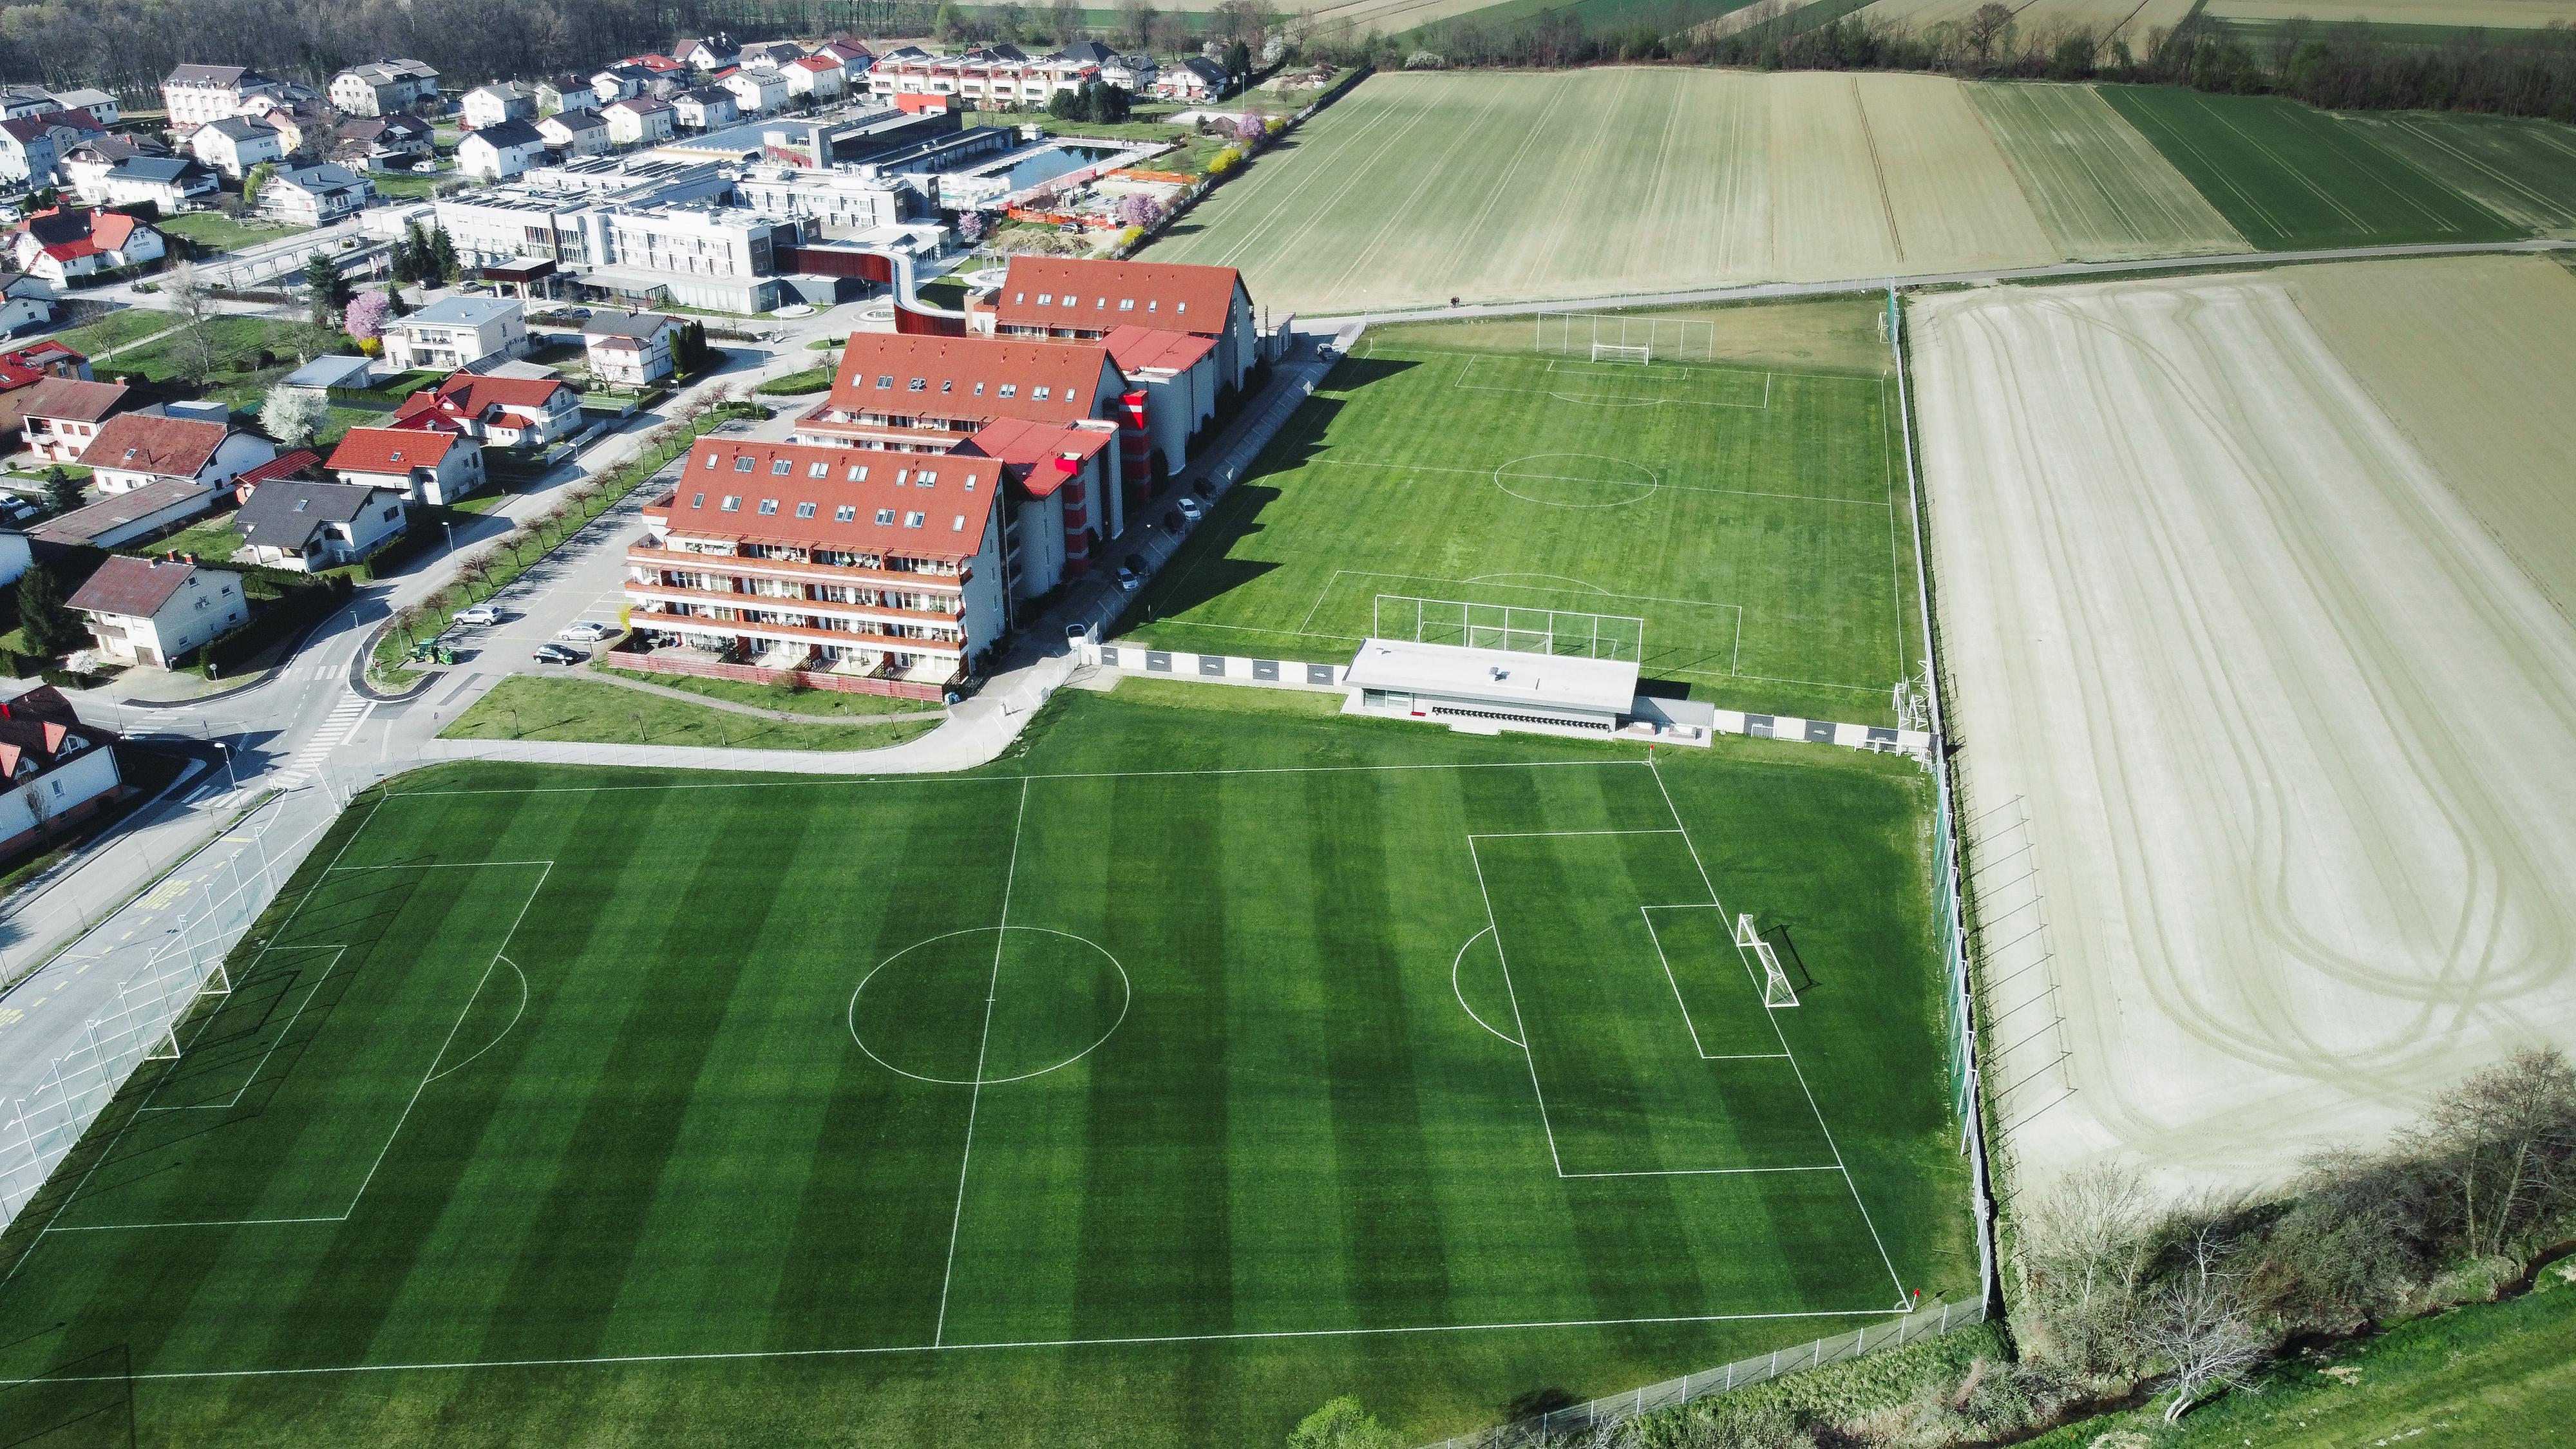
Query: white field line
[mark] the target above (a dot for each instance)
(992, 989)
(1138, 1340)
(1514, 993)
(1458, 991)
(1658, 937)
(337, 953)
(1618, 399)
(1809, 1092)
(1488, 473)
(963, 779)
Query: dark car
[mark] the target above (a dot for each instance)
(1172, 519)
(551, 653)
(1134, 561)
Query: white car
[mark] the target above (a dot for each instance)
(1191, 508)
(585, 631)
(479, 614)
(1128, 582)
(424, 168)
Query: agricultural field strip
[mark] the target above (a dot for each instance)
(433, 1073)
(2046, 111)
(2428, 136)
(1392, 214)
(1678, 828)
(1322, 165)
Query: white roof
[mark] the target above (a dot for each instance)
(1497, 676)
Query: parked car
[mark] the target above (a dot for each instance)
(585, 631)
(1077, 634)
(1172, 519)
(559, 654)
(1191, 508)
(1135, 563)
(478, 614)
(1128, 580)
(424, 168)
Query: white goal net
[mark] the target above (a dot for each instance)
(1614, 352)
(1776, 991)
(1516, 627)
(1607, 337)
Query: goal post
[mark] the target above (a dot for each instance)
(1520, 628)
(1776, 991)
(1620, 337)
(1619, 352)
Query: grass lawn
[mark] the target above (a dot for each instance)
(115, 329)
(812, 379)
(211, 540)
(224, 233)
(1754, 518)
(529, 707)
(821, 703)
(393, 184)
(2492, 1374)
(1145, 1088)
(235, 338)
(2287, 176)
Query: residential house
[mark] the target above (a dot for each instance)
(28, 153)
(454, 333)
(322, 374)
(828, 560)
(17, 101)
(1080, 299)
(999, 77)
(98, 103)
(708, 108)
(1086, 52)
(301, 466)
(757, 92)
(505, 412)
(638, 121)
(385, 143)
(850, 53)
(383, 87)
(631, 349)
(315, 195)
(158, 611)
(301, 130)
(814, 77)
(498, 102)
(61, 243)
(55, 770)
(424, 465)
(557, 95)
(134, 449)
(26, 303)
(769, 54)
(313, 526)
(1195, 78)
(123, 518)
(1134, 74)
(84, 167)
(61, 416)
(197, 94)
(715, 52)
(622, 82)
(235, 144)
(576, 133)
(171, 183)
(498, 152)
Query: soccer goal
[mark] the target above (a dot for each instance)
(1566, 632)
(1609, 337)
(1776, 991)
(1616, 352)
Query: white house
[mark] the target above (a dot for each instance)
(770, 54)
(54, 769)
(61, 243)
(501, 101)
(97, 102)
(815, 77)
(715, 52)
(310, 526)
(383, 87)
(235, 144)
(315, 195)
(28, 152)
(26, 303)
(576, 133)
(638, 121)
(196, 94)
(619, 82)
(424, 465)
(558, 94)
(1195, 78)
(707, 108)
(60, 416)
(154, 611)
(133, 449)
(1134, 74)
(757, 92)
(507, 412)
(454, 333)
(631, 349)
(498, 152)
(172, 183)
(384, 142)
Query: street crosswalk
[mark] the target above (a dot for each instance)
(339, 727)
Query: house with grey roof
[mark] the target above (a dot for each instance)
(313, 526)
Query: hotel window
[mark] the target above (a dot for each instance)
(902, 476)
(804, 510)
(885, 382)
(912, 520)
(768, 506)
(1071, 393)
(1042, 394)
(711, 459)
(917, 385)
(782, 466)
(946, 385)
(1151, 304)
(859, 474)
(959, 526)
(979, 389)
(1180, 306)
(697, 500)
(970, 482)
(1045, 297)
(732, 503)
(1010, 389)
(846, 513)
(819, 470)
(885, 515)
(1126, 304)
(925, 479)
(1099, 301)
(743, 464)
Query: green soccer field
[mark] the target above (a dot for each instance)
(1145, 1089)
(1751, 523)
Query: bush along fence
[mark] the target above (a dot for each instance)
(1926, 1321)
(496, 566)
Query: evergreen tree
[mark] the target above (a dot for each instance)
(442, 256)
(328, 292)
(48, 624)
(62, 491)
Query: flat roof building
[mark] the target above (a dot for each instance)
(1492, 688)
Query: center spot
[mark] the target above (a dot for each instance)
(988, 1004)
(1575, 480)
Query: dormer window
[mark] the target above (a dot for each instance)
(846, 513)
(781, 467)
(885, 516)
(1010, 389)
(768, 506)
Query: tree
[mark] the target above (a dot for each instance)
(293, 415)
(690, 349)
(62, 491)
(1343, 1424)
(1987, 27)
(2083, 1256)
(365, 317)
(1065, 17)
(2202, 1332)
(2503, 1145)
(253, 180)
(1141, 212)
(194, 300)
(326, 290)
(970, 227)
(1068, 106)
(442, 256)
(1135, 24)
(47, 623)
(951, 23)
(1238, 62)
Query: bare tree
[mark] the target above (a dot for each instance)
(1135, 24)
(1988, 27)
(2504, 1144)
(2202, 1330)
(193, 298)
(2083, 1253)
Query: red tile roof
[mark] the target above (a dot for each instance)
(45, 359)
(39, 723)
(72, 400)
(1136, 349)
(297, 464)
(471, 392)
(134, 587)
(390, 450)
(965, 378)
(1165, 296)
(150, 443)
(953, 507)
(1039, 456)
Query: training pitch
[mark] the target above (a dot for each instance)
(1149, 1087)
(1755, 518)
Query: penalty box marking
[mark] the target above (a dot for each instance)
(429, 1075)
(1494, 927)
(1620, 399)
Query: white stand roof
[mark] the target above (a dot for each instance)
(1496, 676)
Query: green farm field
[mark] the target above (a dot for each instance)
(2289, 177)
(2524, 171)
(1144, 1089)
(1753, 517)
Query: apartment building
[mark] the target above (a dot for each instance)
(1083, 300)
(843, 202)
(197, 94)
(454, 333)
(997, 78)
(383, 87)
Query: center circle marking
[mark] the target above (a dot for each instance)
(920, 975)
(1576, 480)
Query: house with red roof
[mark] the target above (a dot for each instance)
(431, 461)
(132, 450)
(60, 243)
(55, 769)
(506, 412)
(155, 611)
(1083, 299)
(61, 416)
(817, 76)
